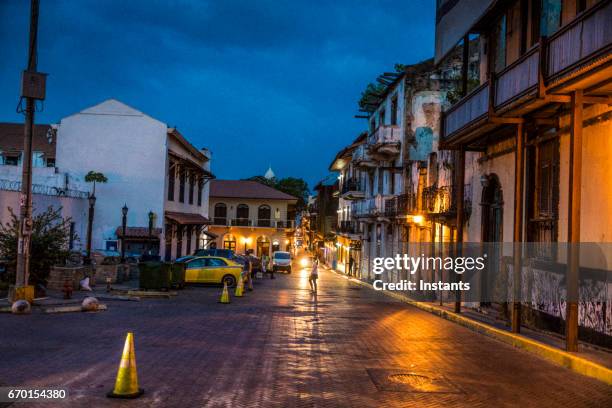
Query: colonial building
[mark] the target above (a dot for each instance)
(534, 134)
(152, 170)
(248, 215)
(384, 170)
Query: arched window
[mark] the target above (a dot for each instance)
(220, 217)
(264, 213)
(242, 215)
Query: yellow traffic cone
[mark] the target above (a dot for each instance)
(239, 288)
(126, 384)
(225, 294)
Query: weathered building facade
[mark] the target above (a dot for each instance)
(534, 134)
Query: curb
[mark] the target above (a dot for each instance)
(560, 357)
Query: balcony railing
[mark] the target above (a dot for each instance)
(517, 78)
(370, 207)
(220, 221)
(443, 201)
(385, 140)
(350, 185)
(472, 107)
(241, 222)
(362, 158)
(401, 205)
(584, 41)
(580, 40)
(347, 227)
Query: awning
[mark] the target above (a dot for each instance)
(210, 235)
(138, 232)
(187, 218)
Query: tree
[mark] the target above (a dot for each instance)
(95, 177)
(296, 187)
(49, 243)
(371, 96)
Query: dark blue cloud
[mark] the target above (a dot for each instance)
(258, 82)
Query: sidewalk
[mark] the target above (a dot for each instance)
(591, 360)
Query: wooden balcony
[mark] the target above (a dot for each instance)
(578, 56)
(362, 158)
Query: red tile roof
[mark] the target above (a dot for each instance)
(11, 139)
(246, 189)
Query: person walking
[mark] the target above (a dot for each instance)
(314, 275)
(351, 266)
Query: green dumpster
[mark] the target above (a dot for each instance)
(177, 274)
(155, 275)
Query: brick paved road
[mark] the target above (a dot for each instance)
(281, 346)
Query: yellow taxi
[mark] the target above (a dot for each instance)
(211, 269)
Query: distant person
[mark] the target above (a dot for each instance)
(314, 275)
(351, 265)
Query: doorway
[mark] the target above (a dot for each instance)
(492, 204)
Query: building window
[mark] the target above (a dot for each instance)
(500, 45)
(72, 236)
(200, 189)
(394, 110)
(550, 17)
(229, 242)
(181, 187)
(264, 214)
(191, 188)
(171, 181)
(220, 215)
(12, 159)
(381, 117)
(51, 162)
(543, 190)
(242, 215)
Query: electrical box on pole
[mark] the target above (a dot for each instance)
(33, 85)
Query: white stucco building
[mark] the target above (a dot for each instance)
(151, 168)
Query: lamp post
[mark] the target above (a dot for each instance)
(151, 217)
(92, 203)
(246, 241)
(124, 211)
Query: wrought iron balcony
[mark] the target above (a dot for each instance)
(351, 190)
(369, 207)
(443, 201)
(347, 227)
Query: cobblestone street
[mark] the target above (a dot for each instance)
(282, 346)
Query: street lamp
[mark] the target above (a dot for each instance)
(246, 241)
(124, 211)
(92, 203)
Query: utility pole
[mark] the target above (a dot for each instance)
(32, 89)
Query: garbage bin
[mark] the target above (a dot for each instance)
(177, 274)
(155, 275)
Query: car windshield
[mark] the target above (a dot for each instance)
(282, 255)
(185, 258)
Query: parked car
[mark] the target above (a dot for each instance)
(212, 269)
(281, 261)
(224, 253)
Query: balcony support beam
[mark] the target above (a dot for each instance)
(575, 184)
(460, 189)
(503, 120)
(519, 173)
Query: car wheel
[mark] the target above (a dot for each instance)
(230, 280)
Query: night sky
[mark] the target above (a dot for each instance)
(257, 82)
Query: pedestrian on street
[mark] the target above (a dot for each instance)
(351, 265)
(314, 275)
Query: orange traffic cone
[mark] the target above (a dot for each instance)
(126, 384)
(225, 294)
(239, 288)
